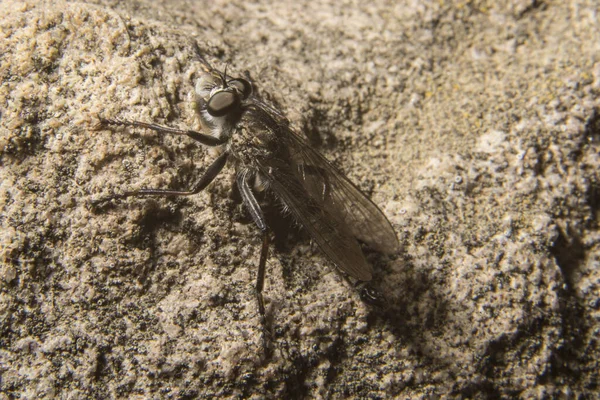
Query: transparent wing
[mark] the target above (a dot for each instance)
(331, 234)
(321, 198)
(332, 190)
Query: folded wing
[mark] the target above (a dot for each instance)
(341, 198)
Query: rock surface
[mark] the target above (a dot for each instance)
(474, 125)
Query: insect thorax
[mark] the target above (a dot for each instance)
(250, 142)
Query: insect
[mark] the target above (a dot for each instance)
(269, 155)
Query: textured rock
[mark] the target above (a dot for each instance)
(475, 126)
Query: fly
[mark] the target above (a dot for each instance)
(269, 155)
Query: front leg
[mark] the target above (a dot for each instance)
(203, 138)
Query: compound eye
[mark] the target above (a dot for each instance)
(222, 103)
(242, 86)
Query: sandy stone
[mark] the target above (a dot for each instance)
(474, 125)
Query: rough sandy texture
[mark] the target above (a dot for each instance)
(475, 125)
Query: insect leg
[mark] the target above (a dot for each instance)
(203, 138)
(204, 181)
(260, 276)
(259, 219)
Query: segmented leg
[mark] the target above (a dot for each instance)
(203, 138)
(210, 174)
(259, 219)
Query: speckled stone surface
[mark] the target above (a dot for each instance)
(474, 125)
